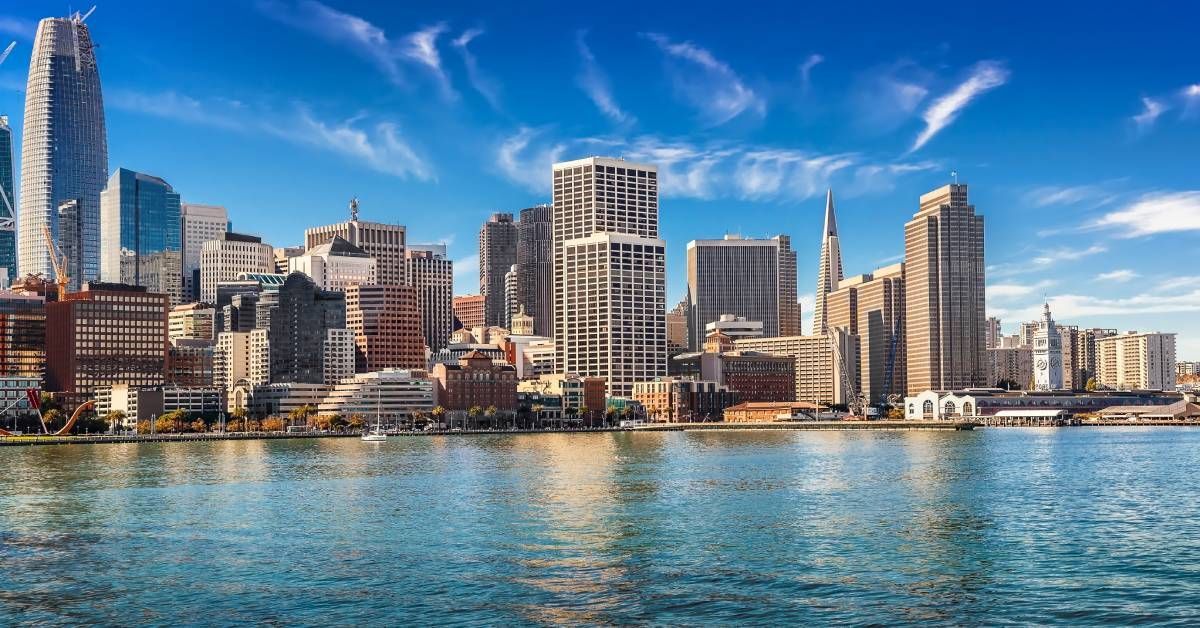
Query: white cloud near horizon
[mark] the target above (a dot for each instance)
(594, 82)
(1153, 213)
(706, 83)
(983, 77)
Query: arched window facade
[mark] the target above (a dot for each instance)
(927, 408)
(967, 409)
(948, 409)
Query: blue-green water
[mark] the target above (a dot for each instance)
(1080, 526)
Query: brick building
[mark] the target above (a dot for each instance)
(476, 381)
(106, 334)
(387, 327)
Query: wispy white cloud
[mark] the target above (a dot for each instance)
(717, 169)
(884, 97)
(173, 105)
(525, 163)
(1067, 254)
(1012, 290)
(421, 48)
(366, 40)
(1070, 307)
(467, 267)
(1044, 260)
(379, 146)
(1121, 275)
(796, 174)
(594, 82)
(983, 77)
(806, 68)
(1093, 195)
(17, 27)
(706, 83)
(873, 179)
(1156, 212)
(1152, 108)
(483, 84)
(1191, 100)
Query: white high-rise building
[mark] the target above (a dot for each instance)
(338, 363)
(198, 224)
(383, 242)
(1136, 361)
(609, 272)
(829, 267)
(1047, 354)
(336, 265)
(228, 257)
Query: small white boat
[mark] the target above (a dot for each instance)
(376, 435)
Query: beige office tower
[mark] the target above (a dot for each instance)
(381, 241)
(609, 272)
(829, 267)
(824, 363)
(871, 306)
(945, 323)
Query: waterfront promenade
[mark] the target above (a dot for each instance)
(825, 426)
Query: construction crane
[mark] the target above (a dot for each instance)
(7, 51)
(891, 361)
(854, 400)
(58, 259)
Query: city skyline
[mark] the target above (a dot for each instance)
(1059, 225)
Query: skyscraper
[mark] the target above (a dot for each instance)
(754, 279)
(381, 241)
(944, 293)
(428, 270)
(198, 224)
(829, 268)
(227, 257)
(298, 331)
(497, 254)
(64, 151)
(8, 200)
(336, 265)
(140, 234)
(609, 272)
(386, 326)
(535, 266)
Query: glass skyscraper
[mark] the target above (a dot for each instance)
(64, 149)
(140, 234)
(8, 200)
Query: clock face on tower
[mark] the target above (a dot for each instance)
(1041, 365)
(1054, 362)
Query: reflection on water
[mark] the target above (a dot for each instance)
(1021, 526)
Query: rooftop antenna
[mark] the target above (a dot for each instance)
(354, 209)
(7, 51)
(954, 173)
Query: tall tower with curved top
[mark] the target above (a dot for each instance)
(829, 267)
(64, 152)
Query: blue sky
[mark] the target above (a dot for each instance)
(1076, 125)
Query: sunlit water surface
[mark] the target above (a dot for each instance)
(1082, 526)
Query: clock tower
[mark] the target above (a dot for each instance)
(1047, 354)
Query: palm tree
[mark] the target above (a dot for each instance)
(113, 418)
(438, 413)
(585, 412)
(490, 413)
(537, 413)
(474, 413)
